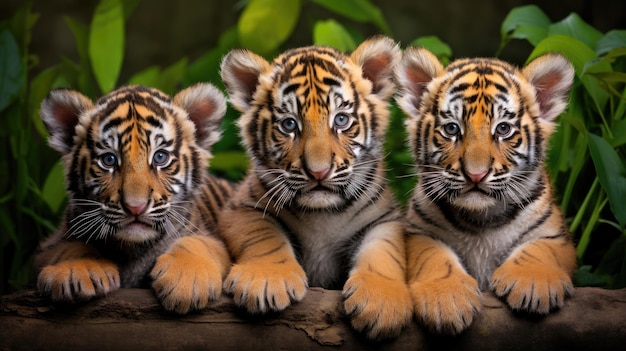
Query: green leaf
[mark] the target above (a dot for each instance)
(106, 43)
(265, 24)
(574, 26)
(86, 81)
(583, 276)
(53, 191)
(611, 174)
(172, 76)
(11, 71)
(524, 22)
(611, 40)
(357, 10)
(332, 33)
(148, 77)
(436, 46)
(40, 86)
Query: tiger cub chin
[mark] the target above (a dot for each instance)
(483, 213)
(315, 208)
(142, 207)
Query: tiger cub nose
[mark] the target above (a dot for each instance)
(136, 208)
(476, 177)
(319, 175)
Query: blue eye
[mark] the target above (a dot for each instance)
(288, 125)
(160, 158)
(451, 129)
(108, 160)
(341, 121)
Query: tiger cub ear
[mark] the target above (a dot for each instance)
(206, 106)
(60, 112)
(552, 76)
(240, 71)
(417, 68)
(378, 57)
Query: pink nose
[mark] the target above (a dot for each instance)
(476, 178)
(319, 175)
(135, 209)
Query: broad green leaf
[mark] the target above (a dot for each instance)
(39, 88)
(171, 77)
(532, 33)
(611, 40)
(583, 276)
(148, 77)
(574, 26)
(53, 191)
(106, 43)
(611, 173)
(529, 14)
(436, 46)
(525, 22)
(265, 24)
(204, 69)
(11, 71)
(357, 10)
(332, 33)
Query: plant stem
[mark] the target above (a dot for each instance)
(593, 220)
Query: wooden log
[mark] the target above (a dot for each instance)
(132, 319)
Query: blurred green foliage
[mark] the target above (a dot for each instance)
(586, 158)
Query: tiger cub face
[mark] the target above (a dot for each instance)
(313, 119)
(133, 159)
(479, 128)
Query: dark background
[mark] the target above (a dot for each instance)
(160, 32)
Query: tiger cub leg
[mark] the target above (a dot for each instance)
(376, 296)
(445, 297)
(266, 275)
(73, 272)
(536, 277)
(189, 275)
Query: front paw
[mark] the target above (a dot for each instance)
(378, 306)
(531, 288)
(78, 279)
(263, 287)
(184, 281)
(448, 305)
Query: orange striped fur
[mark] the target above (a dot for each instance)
(483, 213)
(315, 209)
(142, 207)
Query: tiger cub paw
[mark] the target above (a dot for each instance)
(377, 306)
(186, 280)
(78, 279)
(531, 288)
(446, 306)
(263, 287)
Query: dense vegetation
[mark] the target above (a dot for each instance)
(586, 159)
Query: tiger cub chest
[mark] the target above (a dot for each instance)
(326, 242)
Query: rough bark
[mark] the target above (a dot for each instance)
(132, 319)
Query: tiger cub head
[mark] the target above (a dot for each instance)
(479, 128)
(314, 119)
(133, 159)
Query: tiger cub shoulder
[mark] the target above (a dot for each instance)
(142, 207)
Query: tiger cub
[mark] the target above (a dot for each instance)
(142, 207)
(483, 213)
(315, 209)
